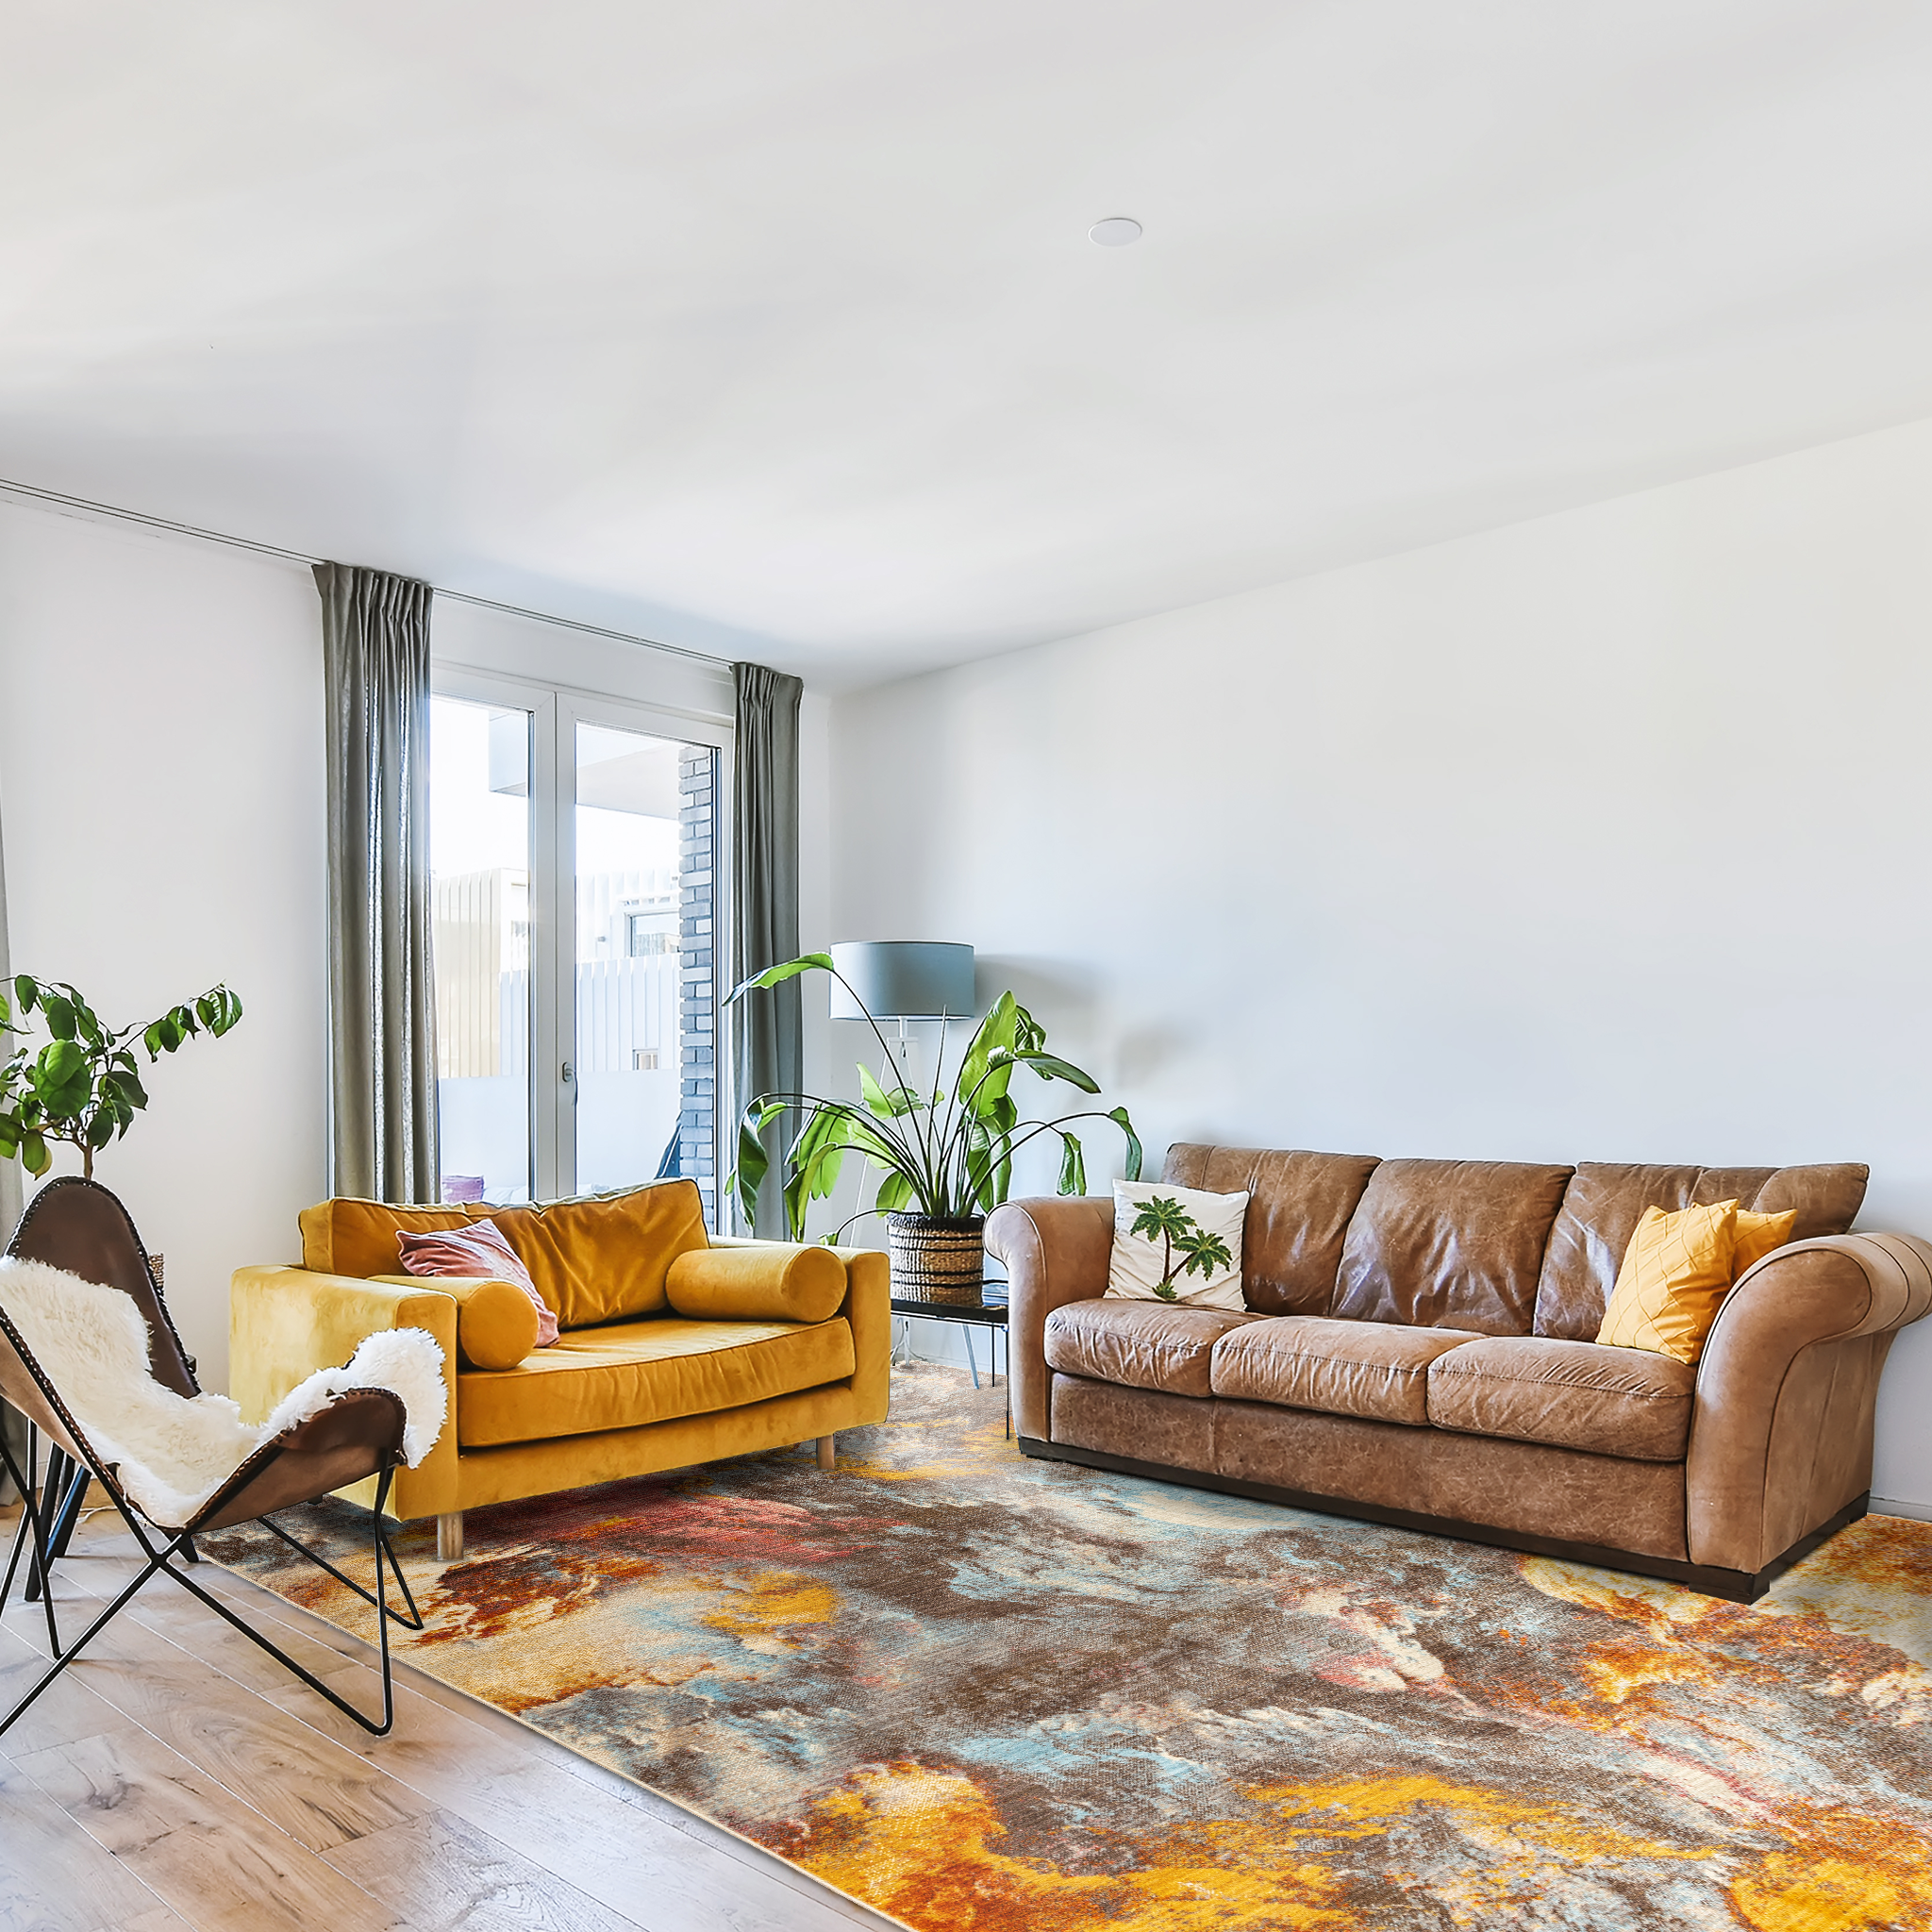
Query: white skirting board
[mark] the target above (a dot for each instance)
(1890, 1505)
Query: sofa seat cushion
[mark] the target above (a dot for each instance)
(1142, 1344)
(1569, 1395)
(631, 1372)
(1375, 1369)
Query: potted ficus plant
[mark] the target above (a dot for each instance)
(83, 1088)
(944, 1157)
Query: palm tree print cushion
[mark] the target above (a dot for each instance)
(1176, 1244)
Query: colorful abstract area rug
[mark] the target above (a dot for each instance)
(982, 1692)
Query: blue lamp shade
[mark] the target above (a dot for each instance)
(904, 980)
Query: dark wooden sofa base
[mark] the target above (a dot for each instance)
(1732, 1585)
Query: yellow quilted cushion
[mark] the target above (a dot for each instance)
(1757, 1235)
(1675, 1275)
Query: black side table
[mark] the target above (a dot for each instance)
(990, 1313)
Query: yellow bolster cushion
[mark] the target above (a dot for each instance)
(496, 1322)
(757, 1283)
(1675, 1275)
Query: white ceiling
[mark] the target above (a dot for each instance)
(773, 329)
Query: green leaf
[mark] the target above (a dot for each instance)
(1049, 1067)
(98, 1129)
(1072, 1166)
(754, 1163)
(980, 1082)
(1161, 1219)
(25, 991)
(59, 1016)
(776, 976)
(813, 1167)
(63, 1079)
(33, 1154)
(1205, 1252)
(894, 1195)
(889, 1105)
(1118, 1117)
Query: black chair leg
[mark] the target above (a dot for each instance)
(53, 1493)
(31, 1539)
(63, 1657)
(34, 1534)
(73, 1500)
(384, 1615)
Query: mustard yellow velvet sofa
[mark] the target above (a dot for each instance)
(675, 1347)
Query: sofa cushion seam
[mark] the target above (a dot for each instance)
(1585, 1387)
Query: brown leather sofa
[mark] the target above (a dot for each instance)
(1417, 1349)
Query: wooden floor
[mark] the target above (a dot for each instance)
(177, 1777)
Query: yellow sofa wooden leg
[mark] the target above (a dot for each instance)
(449, 1538)
(829, 1450)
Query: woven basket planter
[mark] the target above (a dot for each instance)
(938, 1258)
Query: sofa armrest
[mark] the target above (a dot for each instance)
(1055, 1250)
(868, 1307)
(1781, 1433)
(286, 1323)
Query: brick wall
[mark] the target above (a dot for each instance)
(697, 822)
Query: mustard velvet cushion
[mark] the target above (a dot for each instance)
(630, 1373)
(496, 1322)
(1675, 1275)
(1757, 1235)
(602, 1257)
(757, 1283)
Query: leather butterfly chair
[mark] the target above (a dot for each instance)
(79, 1225)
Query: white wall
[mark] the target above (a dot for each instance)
(161, 800)
(1608, 836)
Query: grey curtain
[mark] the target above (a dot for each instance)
(382, 986)
(12, 1422)
(768, 1039)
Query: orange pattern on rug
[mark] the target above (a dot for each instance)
(986, 1695)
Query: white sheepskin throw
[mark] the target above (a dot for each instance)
(174, 1452)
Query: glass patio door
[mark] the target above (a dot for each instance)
(480, 847)
(573, 846)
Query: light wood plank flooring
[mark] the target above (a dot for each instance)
(178, 1779)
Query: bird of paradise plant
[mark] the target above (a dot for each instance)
(947, 1152)
(1164, 1220)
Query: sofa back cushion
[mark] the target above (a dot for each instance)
(599, 1258)
(1299, 1208)
(1450, 1244)
(1606, 1200)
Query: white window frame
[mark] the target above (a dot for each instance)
(556, 711)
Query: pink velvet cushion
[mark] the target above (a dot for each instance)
(478, 1250)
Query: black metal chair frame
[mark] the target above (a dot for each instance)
(51, 1508)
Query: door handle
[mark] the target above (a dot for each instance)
(570, 1076)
